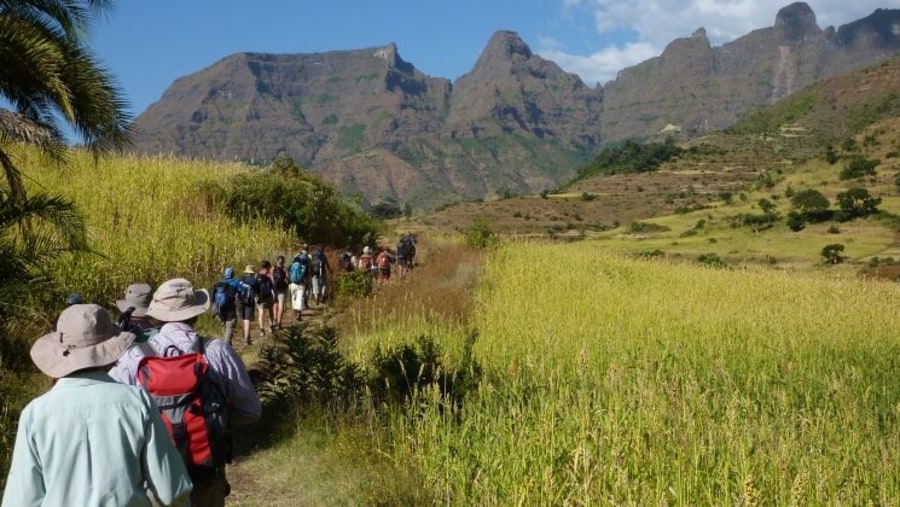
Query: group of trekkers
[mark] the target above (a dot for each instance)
(261, 294)
(142, 408)
(140, 411)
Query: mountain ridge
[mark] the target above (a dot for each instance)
(517, 123)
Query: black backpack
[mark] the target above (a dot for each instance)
(247, 291)
(266, 288)
(345, 262)
(279, 277)
(318, 264)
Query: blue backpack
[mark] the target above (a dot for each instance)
(223, 298)
(247, 291)
(297, 271)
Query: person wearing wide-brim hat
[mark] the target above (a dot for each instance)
(134, 306)
(90, 440)
(178, 304)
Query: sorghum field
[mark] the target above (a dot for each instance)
(614, 380)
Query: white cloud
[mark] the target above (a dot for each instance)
(655, 23)
(602, 65)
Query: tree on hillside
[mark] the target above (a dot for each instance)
(857, 203)
(813, 205)
(48, 78)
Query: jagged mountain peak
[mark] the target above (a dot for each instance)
(798, 19)
(506, 45)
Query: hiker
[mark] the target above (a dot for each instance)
(134, 319)
(346, 261)
(280, 279)
(320, 270)
(178, 305)
(225, 303)
(133, 308)
(297, 276)
(90, 440)
(245, 301)
(366, 261)
(383, 265)
(265, 298)
(406, 252)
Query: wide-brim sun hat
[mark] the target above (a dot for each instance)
(85, 337)
(137, 296)
(176, 300)
(248, 270)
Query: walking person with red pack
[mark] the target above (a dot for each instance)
(200, 385)
(90, 440)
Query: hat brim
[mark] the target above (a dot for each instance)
(201, 296)
(139, 311)
(51, 358)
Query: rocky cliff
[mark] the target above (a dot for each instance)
(699, 88)
(375, 125)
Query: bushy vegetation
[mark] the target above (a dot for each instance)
(284, 195)
(857, 203)
(479, 234)
(630, 157)
(857, 167)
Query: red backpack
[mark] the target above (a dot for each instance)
(193, 408)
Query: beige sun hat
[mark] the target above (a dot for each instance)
(137, 296)
(85, 337)
(248, 270)
(177, 300)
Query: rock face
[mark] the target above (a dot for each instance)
(375, 125)
(702, 88)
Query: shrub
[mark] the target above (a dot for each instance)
(857, 167)
(399, 373)
(586, 196)
(857, 202)
(832, 253)
(301, 369)
(834, 229)
(299, 201)
(795, 221)
(647, 227)
(354, 284)
(712, 260)
(479, 234)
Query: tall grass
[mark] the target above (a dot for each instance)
(615, 380)
(149, 221)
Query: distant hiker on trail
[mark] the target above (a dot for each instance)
(366, 261)
(224, 294)
(406, 253)
(297, 276)
(280, 279)
(248, 286)
(90, 440)
(383, 265)
(346, 261)
(265, 298)
(134, 310)
(320, 271)
(220, 395)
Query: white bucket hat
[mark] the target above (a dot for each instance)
(85, 337)
(176, 300)
(137, 296)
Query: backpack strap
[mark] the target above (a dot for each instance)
(169, 349)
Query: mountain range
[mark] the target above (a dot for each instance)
(516, 123)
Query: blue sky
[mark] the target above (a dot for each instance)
(147, 45)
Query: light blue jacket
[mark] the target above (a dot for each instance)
(94, 442)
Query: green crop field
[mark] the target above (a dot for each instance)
(611, 380)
